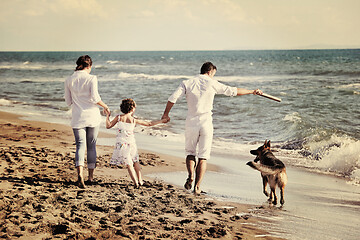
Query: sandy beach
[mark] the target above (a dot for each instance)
(40, 200)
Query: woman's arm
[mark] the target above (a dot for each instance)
(106, 108)
(112, 123)
(95, 97)
(67, 96)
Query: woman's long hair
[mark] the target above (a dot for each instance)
(83, 62)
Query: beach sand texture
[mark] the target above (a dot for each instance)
(39, 198)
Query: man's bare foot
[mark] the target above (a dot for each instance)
(188, 183)
(197, 190)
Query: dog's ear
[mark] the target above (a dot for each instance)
(265, 143)
(268, 144)
(253, 152)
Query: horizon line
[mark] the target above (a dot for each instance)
(213, 50)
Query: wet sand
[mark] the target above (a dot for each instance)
(39, 198)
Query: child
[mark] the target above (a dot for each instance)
(125, 151)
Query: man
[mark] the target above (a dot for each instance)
(200, 92)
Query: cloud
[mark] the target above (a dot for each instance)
(226, 24)
(50, 8)
(88, 7)
(142, 14)
(231, 11)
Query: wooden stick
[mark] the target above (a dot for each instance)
(271, 97)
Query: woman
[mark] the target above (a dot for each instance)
(81, 93)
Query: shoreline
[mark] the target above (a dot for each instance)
(39, 197)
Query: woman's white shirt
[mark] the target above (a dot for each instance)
(81, 93)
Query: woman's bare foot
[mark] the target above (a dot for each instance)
(188, 183)
(91, 175)
(81, 182)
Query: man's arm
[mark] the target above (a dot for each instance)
(168, 107)
(243, 91)
(233, 91)
(179, 92)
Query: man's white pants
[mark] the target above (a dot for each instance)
(199, 133)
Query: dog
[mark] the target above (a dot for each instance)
(272, 170)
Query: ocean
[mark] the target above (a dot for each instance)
(315, 130)
(316, 125)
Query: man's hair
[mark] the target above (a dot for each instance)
(127, 105)
(83, 62)
(207, 67)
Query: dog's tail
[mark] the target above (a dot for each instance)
(265, 168)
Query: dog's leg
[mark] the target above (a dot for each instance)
(282, 201)
(273, 192)
(270, 197)
(265, 181)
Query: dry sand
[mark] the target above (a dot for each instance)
(40, 200)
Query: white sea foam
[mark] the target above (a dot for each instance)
(244, 79)
(4, 102)
(353, 85)
(342, 157)
(292, 117)
(143, 76)
(112, 62)
(160, 77)
(5, 67)
(23, 66)
(35, 66)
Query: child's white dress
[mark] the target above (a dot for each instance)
(125, 152)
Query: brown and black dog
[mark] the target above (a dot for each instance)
(272, 170)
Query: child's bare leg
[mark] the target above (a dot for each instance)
(132, 174)
(138, 172)
(200, 172)
(190, 165)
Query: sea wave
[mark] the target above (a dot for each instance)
(26, 66)
(22, 67)
(326, 72)
(143, 76)
(337, 154)
(321, 149)
(352, 85)
(112, 62)
(5, 102)
(161, 77)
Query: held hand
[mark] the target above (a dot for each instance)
(106, 111)
(165, 119)
(257, 92)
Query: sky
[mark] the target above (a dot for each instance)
(165, 25)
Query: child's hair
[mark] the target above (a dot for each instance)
(127, 105)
